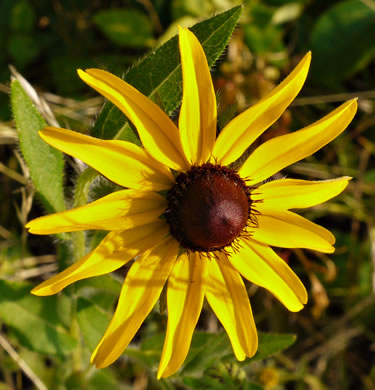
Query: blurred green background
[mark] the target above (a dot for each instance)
(46, 41)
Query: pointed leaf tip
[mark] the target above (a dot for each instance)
(45, 163)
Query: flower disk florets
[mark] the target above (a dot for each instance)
(208, 208)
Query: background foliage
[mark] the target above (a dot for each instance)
(46, 342)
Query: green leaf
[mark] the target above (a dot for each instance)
(207, 349)
(35, 320)
(208, 383)
(369, 176)
(264, 40)
(342, 41)
(46, 164)
(125, 27)
(95, 306)
(104, 290)
(102, 284)
(103, 379)
(181, 8)
(215, 382)
(22, 18)
(94, 380)
(149, 352)
(92, 320)
(271, 343)
(23, 49)
(158, 76)
(264, 35)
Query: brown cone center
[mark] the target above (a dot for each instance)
(208, 208)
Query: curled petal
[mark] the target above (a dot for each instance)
(279, 152)
(227, 296)
(122, 162)
(141, 289)
(184, 299)
(259, 264)
(197, 121)
(115, 250)
(158, 133)
(245, 128)
(120, 210)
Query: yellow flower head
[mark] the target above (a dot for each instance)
(215, 226)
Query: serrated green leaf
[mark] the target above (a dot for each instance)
(34, 320)
(46, 164)
(271, 343)
(125, 27)
(92, 320)
(206, 350)
(112, 124)
(347, 25)
(158, 76)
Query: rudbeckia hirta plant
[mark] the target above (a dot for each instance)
(191, 215)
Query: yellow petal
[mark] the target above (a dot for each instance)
(118, 211)
(227, 296)
(259, 264)
(122, 162)
(241, 132)
(279, 152)
(286, 229)
(184, 299)
(197, 121)
(142, 287)
(115, 250)
(294, 194)
(158, 133)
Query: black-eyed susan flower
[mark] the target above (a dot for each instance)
(216, 224)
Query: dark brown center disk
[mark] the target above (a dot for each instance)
(208, 208)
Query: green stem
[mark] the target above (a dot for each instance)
(75, 332)
(81, 195)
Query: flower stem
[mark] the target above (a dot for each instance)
(83, 185)
(81, 195)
